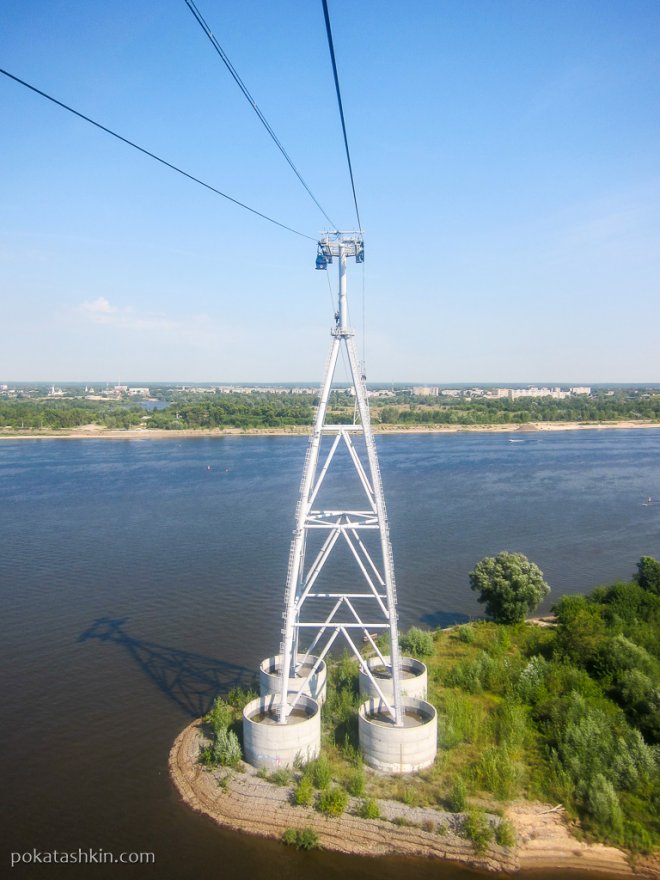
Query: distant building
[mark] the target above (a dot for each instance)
(580, 389)
(426, 390)
(137, 392)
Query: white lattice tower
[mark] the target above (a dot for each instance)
(307, 634)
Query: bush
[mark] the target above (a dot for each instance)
(477, 829)
(280, 777)
(355, 783)
(604, 807)
(220, 715)
(333, 801)
(457, 800)
(227, 749)
(510, 586)
(648, 574)
(319, 772)
(498, 773)
(410, 797)
(303, 794)
(368, 809)
(461, 721)
(301, 838)
(417, 642)
(239, 697)
(466, 634)
(505, 834)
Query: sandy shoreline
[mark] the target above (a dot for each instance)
(250, 804)
(97, 432)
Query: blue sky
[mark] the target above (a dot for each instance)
(507, 164)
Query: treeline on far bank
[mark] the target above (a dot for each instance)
(270, 410)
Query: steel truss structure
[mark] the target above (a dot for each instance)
(375, 570)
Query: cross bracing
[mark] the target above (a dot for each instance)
(361, 603)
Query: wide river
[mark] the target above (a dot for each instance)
(141, 578)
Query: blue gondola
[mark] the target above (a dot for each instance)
(321, 262)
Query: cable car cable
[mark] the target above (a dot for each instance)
(154, 156)
(239, 82)
(328, 30)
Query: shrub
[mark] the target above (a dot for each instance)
(511, 725)
(368, 809)
(355, 783)
(226, 748)
(466, 634)
(303, 794)
(604, 807)
(239, 697)
(457, 800)
(428, 825)
(637, 838)
(319, 772)
(461, 721)
(477, 829)
(301, 838)
(498, 773)
(510, 586)
(504, 833)
(410, 797)
(648, 574)
(280, 777)
(417, 642)
(333, 801)
(220, 715)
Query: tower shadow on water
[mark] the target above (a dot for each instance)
(192, 681)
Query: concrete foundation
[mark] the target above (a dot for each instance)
(270, 671)
(266, 743)
(398, 749)
(414, 678)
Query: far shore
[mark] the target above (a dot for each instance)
(98, 432)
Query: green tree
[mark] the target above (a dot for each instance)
(648, 574)
(510, 586)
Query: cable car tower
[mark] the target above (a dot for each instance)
(365, 604)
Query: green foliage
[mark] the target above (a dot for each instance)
(510, 586)
(457, 800)
(226, 749)
(303, 794)
(410, 797)
(301, 838)
(477, 829)
(369, 809)
(417, 642)
(220, 716)
(603, 806)
(239, 697)
(355, 783)
(461, 722)
(498, 773)
(333, 801)
(280, 777)
(319, 772)
(648, 574)
(466, 634)
(505, 834)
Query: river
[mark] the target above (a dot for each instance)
(140, 578)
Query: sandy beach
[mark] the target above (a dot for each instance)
(98, 432)
(250, 804)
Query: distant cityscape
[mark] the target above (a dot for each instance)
(119, 391)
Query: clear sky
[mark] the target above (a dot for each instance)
(507, 165)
